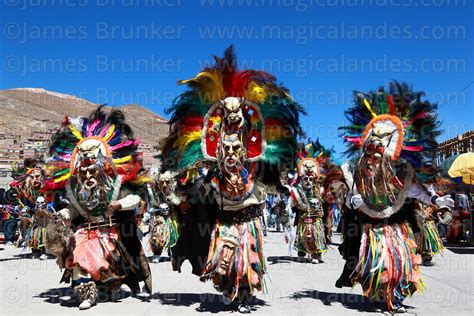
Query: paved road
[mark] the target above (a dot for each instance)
(30, 286)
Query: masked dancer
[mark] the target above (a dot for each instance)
(392, 134)
(96, 162)
(234, 130)
(307, 201)
(164, 212)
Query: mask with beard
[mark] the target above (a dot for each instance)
(34, 182)
(378, 183)
(165, 183)
(89, 162)
(93, 186)
(231, 162)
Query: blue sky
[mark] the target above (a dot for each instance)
(108, 51)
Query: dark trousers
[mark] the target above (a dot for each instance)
(9, 229)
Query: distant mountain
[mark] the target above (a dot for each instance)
(24, 110)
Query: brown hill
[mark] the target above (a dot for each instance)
(25, 110)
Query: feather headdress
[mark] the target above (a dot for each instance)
(403, 109)
(21, 170)
(314, 149)
(26, 193)
(271, 116)
(316, 152)
(107, 135)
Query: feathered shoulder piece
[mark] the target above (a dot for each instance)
(102, 137)
(225, 100)
(397, 119)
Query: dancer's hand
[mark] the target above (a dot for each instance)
(445, 201)
(64, 213)
(356, 201)
(115, 206)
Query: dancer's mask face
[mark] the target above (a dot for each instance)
(232, 151)
(88, 176)
(233, 110)
(227, 258)
(308, 230)
(35, 180)
(375, 147)
(165, 183)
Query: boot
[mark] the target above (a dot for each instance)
(244, 301)
(114, 291)
(87, 295)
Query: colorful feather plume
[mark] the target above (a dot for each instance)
(315, 150)
(279, 113)
(111, 130)
(418, 117)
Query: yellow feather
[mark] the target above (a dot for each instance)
(110, 132)
(75, 132)
(210, 83)
(184, 140)
(367, 105)
(122, 160)
(65, 177)
(255, 93)
(141, 180)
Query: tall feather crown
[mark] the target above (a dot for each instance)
(403, 108)
(271, 116)
(110, 137)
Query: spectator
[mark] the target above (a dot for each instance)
(445, 217)
(10, 217)
(462, 202)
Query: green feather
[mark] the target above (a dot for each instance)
(192, 154)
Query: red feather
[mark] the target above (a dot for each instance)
(391, 105)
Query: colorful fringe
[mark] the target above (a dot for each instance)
(35, 238)
(428, 239)
(164, 234)
(388, 265)
(314, 244)
(248, 267)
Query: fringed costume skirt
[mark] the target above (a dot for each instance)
(310, 236)
(428, 240)
(388, 267)
(164, 234)
(36, 237)
(36, 234)
(235, 260)
(96, 253)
